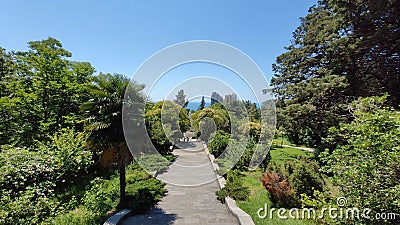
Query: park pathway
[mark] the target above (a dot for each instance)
(191, 185)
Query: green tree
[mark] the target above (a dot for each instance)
(366, 165)
(166, 121)
(9, 84)
(45, 91)
(339, 52)
(104, 118)
(202, 103)
(181, 99)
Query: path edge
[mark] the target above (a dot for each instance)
(118, 217)
(242, 216)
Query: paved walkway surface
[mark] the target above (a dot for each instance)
(301, 148)
(191, 185)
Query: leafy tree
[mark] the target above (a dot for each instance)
(181, 99)
(366, 165)
(166, 121)
(44, 89)
(219, 116)
(339, 52)
(202, 103)
(8, 101)
(104, 118)
(218, 142)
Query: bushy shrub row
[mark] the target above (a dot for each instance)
(53, 183)
(234, 188)
(286, 185)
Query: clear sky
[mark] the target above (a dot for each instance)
(118, 36)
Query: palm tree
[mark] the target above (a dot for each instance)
(104, 118)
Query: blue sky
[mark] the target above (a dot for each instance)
(118, 36)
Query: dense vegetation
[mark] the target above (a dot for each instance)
(63, 155)
(337, 91)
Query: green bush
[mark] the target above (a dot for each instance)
(218, 142)
(234, 188)
(231, 158)
(153, 162)
(287, 185)
(366, 165)
(78, 216)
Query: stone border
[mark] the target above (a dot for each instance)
(242, 216)
(118, 217)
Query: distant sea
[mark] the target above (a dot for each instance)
(195, 105)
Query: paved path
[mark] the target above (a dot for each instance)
(191, 196)
(301, 148)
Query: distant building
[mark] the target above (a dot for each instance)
(230, 98)
(215, 97)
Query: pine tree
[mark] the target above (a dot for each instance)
(202, 103)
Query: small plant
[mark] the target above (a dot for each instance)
(153, 162)
(234, 188)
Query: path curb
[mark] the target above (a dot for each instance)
(242, 216)
(118, 217)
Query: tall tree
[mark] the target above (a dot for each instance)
(366, 164)
(330, 63)
(46, 89)
(181, 99)
(202, 103)
(8, 100)
(104, 119)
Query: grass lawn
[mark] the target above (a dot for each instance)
(281, 155)
(259, 196)
(285, 141)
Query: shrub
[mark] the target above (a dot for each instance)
(366, 164)
(78, 216)
(305, 177)
(233, 188)
(282, 195)
(218, 142)
(153, 162)
(287, 186)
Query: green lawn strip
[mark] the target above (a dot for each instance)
(282, 155)
(285, 141)
(258, 198)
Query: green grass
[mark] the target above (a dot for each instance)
(259, 196)
(285, 154)
(278, 142)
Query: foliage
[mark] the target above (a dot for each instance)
(153, 162)
(287, 184)
(102, 197)
(304, 177)
(202, 103)
(218, 142)
(233, 188)
(78, 216)
(31, 178)
(181, 99)
(366, 164)
(166, 121)
(43, 93)
(206, 120)
(239, 155)
(340, 51)
(282, 194)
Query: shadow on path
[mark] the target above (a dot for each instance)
(190, 199)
